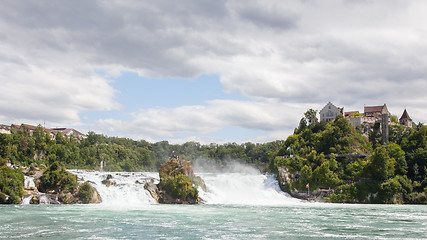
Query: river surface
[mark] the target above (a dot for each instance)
(238, 206)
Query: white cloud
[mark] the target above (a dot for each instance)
(287, 56)
(275, 117)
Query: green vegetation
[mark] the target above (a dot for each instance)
(11, 185)
(57, 179)
(176, 179)
(333, 155)
(121, 154)
(180, 186)
(86, 192)
(337, 156)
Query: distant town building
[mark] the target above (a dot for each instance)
(355, 118)
(52, 132)
(312, 120)
(405, 119)
(330, 112)
(32, 128)
(4, 129)
(373, 114)
(70, 132)
(351, 114)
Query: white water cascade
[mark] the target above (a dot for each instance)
(127, 188)
(221, 188)
(29, 182)
(244, 189)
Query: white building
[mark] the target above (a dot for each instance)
(330, 112)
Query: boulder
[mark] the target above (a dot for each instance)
(108, 183)
(96, 198)
(153, 190)
(35, 199)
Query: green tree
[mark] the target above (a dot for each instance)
(390, 192)
(306, 176)
(310, 116)
(181, 187)
(86, 192)
(58, 179)
(325, 177)
(381, 166)
(11, 184)
(396, 152)
(394, 119)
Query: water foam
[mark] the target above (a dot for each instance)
(29, 182)
(244, 189)
(240, 188)
(127, 188)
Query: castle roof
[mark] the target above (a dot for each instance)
(331, 104)
(374, 108)
(405, 116)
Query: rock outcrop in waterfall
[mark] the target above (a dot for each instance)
(178, 183)
(55, 185)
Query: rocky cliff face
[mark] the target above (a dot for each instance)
(284, 176)
(178, 183)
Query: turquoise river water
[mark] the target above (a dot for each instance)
(211, 221)
(238, 206)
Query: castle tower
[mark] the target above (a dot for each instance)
(405, 119)
(384, 128)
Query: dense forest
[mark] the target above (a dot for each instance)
(122, 154)
(360, 169)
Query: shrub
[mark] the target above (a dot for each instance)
(181, 187)
(58, 179)
(3, 161)
(390, 192)
(86, 192)
(416, 198)
(355, 193)
(11, 184)
(345, 193)
(2, 198)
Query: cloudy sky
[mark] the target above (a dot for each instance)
(208, 71)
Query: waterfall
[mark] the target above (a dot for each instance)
(29, 185)
(127, 188)
(124, 188)
(244, 189)
(29, 182)
(26, 199)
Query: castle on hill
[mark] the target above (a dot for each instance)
(371, 114)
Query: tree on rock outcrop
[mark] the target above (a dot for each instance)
(86, 192)
(58, 181)
(178, 183)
